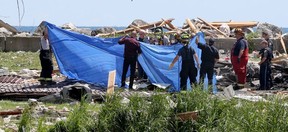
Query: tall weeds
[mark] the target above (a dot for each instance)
(158, 113)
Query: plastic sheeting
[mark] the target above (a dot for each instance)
(90, 59)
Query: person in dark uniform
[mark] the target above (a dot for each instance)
(46, 61)
(266, 36)
(188, 68)
(239, 58)
(131, 51)
(209, 57)
(265, 66)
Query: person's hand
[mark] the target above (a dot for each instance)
(170, 66)
(259, 63)
(198, 66)
(238, 60)
(197, 40)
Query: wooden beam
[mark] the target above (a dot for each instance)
(136, 28)
(10, 112)
(232, 24)
(236, 24)
(212, 27)
(191, 25)
(169, 24)
(128, 30)
(162, 24)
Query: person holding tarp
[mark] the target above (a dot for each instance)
(46, 61)
(188, 68)
(131, 51)
(209, 57)
(265, 66)
(239, 58)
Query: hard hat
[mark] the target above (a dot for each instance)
(238, 30)
(185, 36)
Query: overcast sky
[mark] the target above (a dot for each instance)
(123, 12)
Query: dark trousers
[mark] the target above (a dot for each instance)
(141, 72)
(46, 64)
(265, 76)
(129, 61)
(188, 70)
(206, 69)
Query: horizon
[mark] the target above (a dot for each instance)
(110, 13)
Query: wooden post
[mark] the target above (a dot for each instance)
(111, 82)
(212, 27)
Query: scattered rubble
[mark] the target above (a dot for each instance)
(103, 30)
(8, 27)
(137, 22)
(271, 29)
(4, 32)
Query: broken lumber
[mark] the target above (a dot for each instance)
(128, 30)
(212, 27)
(283, 44)
(230, 24)
(170, 25)
(136, 28)
(10, 112)
(191, 115)
(191, 25)
(235, 24)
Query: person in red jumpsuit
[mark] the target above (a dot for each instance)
(239, 58)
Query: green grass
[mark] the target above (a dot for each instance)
(156, 114)
(15, 61)
(11, 105)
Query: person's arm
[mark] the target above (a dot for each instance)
(122, 40)
(216, 56)
(197, 60)
(174, 61)
(242, 47)
(199, 45)
(139, 48)
(264, 57)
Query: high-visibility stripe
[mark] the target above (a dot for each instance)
(48, 79)
(239, 84)
(41, 79)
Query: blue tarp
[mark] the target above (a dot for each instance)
(90, 59)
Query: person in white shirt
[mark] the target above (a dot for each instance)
(46, 61)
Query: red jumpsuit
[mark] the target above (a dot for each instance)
(240, 67)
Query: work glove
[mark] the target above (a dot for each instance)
(238, 60)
